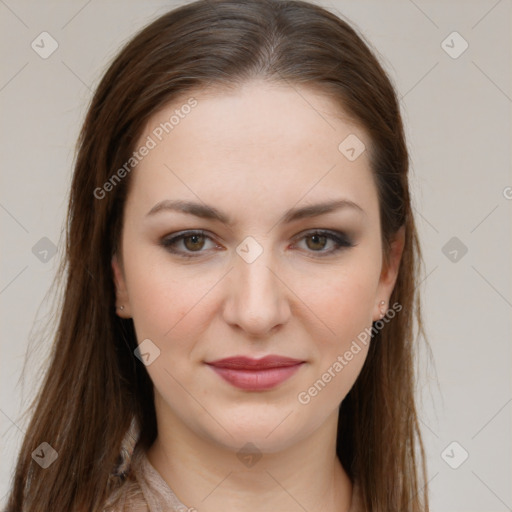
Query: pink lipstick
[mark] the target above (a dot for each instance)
(255, 374)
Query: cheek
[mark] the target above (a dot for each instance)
(345, 306)
(350, 305)
(344, 298)
(169, 304)
(344, 302)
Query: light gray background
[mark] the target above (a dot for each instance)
(458, 119)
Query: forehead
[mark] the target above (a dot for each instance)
(259, 140)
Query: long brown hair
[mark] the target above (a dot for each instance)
(93, 383)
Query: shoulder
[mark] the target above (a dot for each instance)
(128, 497)
(127, 494)
(143, 489)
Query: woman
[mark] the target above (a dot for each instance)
(242, 260)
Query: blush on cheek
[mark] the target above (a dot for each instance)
(344, 304)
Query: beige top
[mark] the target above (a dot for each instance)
(144, 489)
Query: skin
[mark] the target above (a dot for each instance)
(253, 154)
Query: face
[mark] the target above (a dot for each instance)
(264, 277)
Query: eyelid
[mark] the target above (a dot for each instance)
(341, 239)
(173, 238)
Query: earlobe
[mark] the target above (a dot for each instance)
(122, 301)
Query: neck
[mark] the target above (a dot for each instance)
(210, 477)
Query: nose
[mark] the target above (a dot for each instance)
(256, 296)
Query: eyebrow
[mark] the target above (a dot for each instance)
(209, 212)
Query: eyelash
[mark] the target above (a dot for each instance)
(340, 239)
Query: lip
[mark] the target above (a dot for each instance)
(255, 374)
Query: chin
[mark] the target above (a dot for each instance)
(270, 429)
(252, 439)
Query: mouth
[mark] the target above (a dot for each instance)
(255, 374)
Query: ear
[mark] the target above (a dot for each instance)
(389, 274)
(121, 291)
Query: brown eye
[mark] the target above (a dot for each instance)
(317, 242)
(194, 242)
(188, 244)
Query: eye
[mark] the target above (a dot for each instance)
(317, 240)
(185, 244)
(191, 241)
